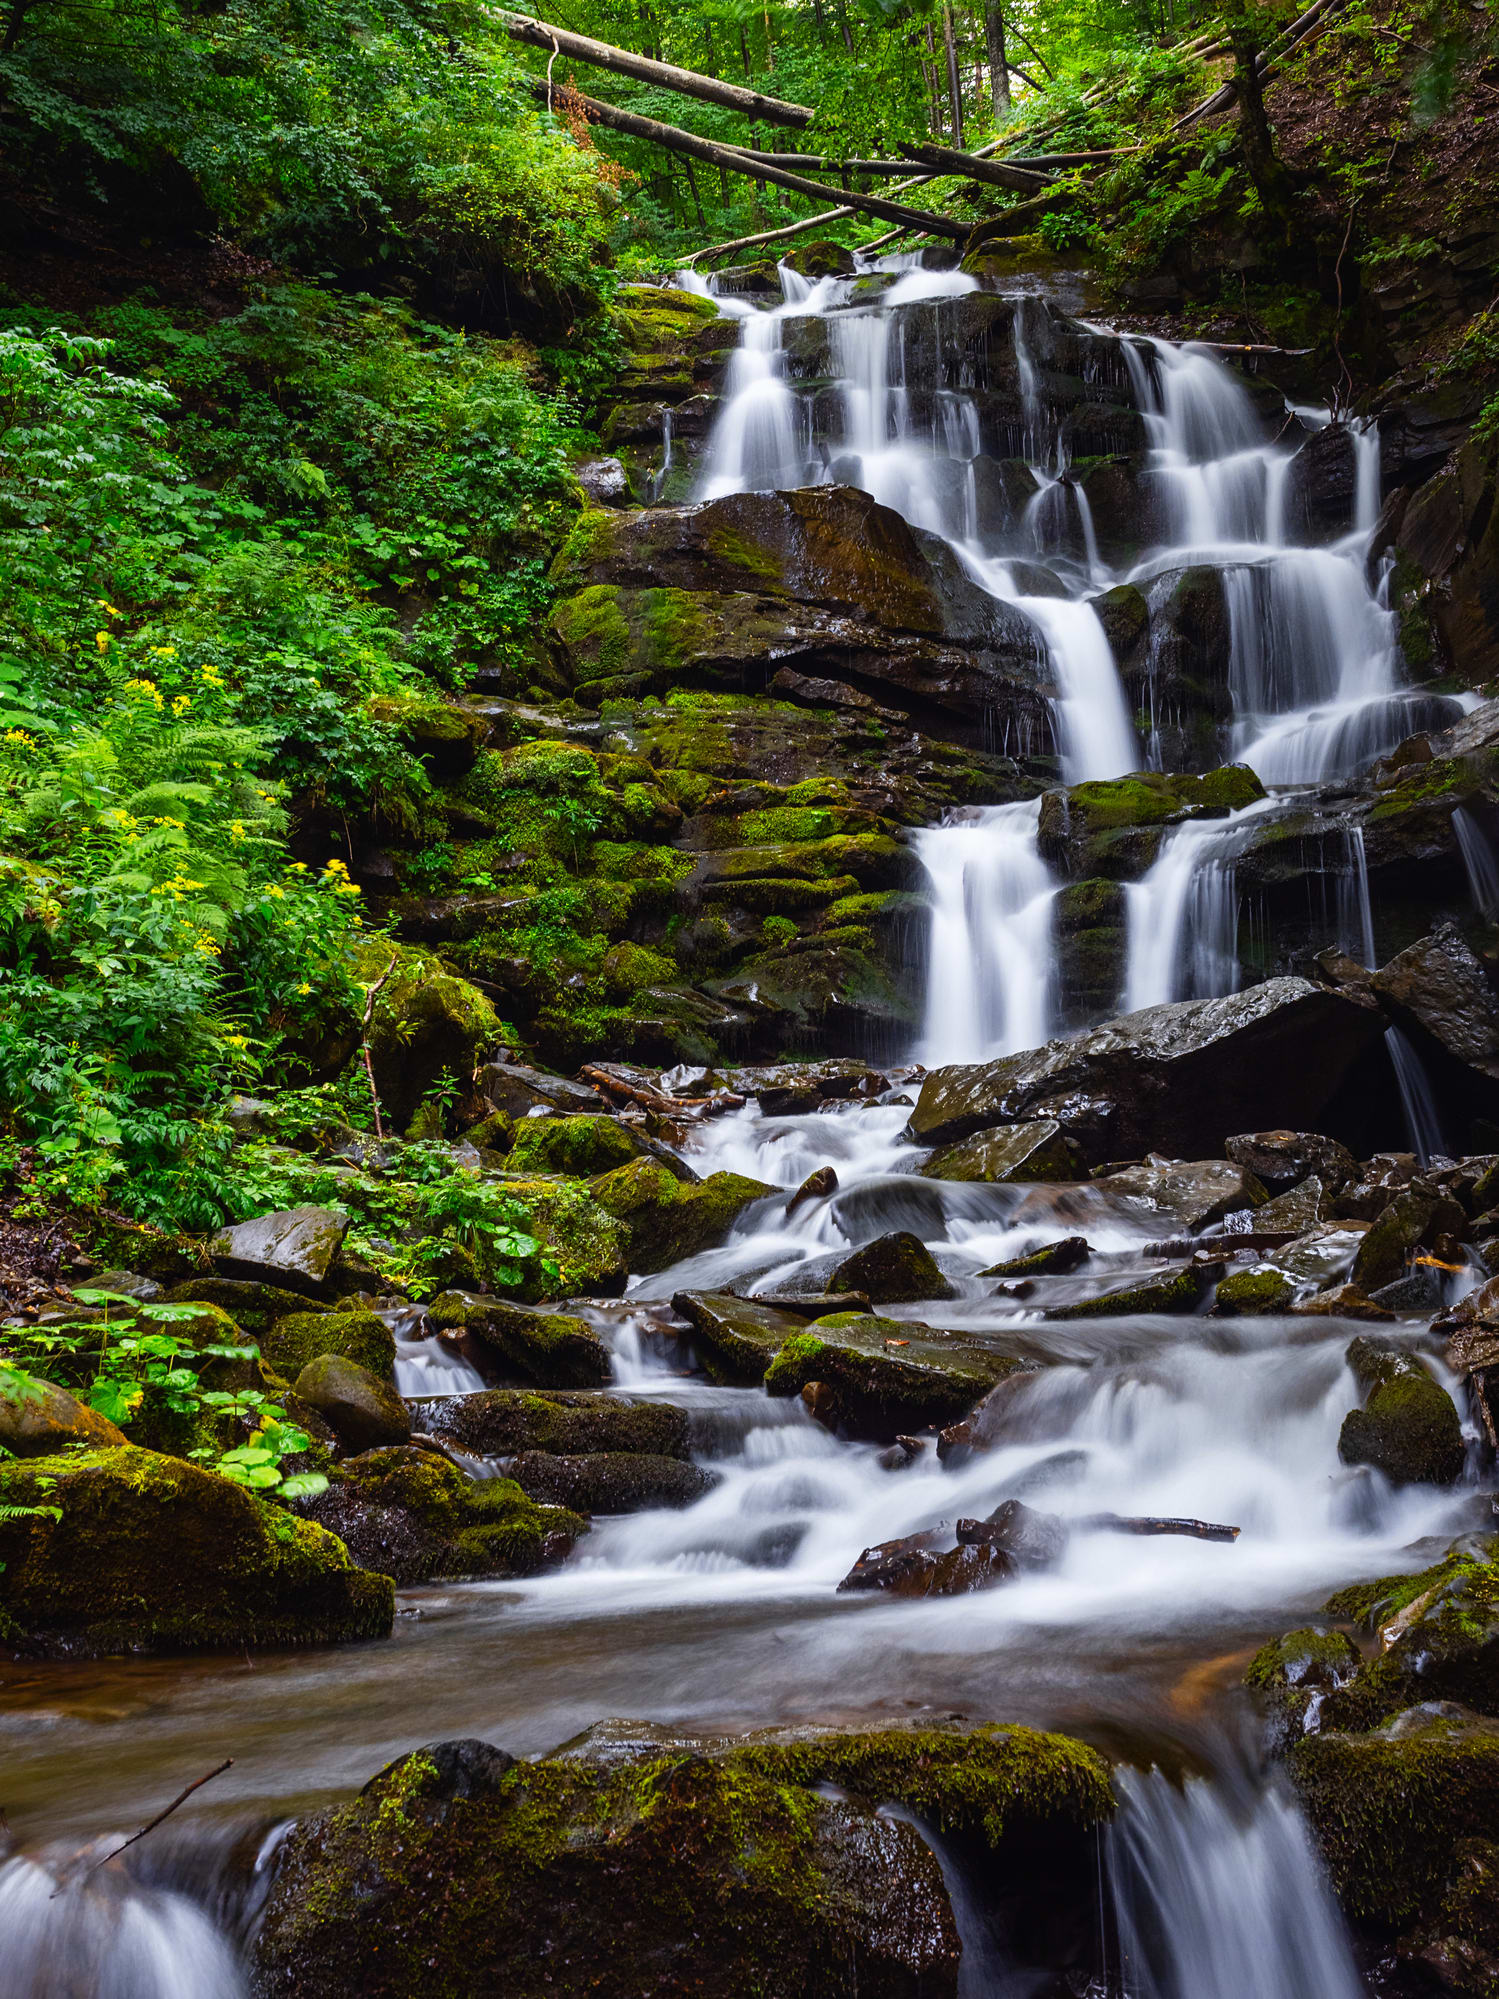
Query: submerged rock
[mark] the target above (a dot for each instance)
(1178, 1290)
(894, 1269)
(1053, 1259)
(152, 1554)
(552, 1349)
(1178, 1079)
(1293, 1675)
(881, 1377)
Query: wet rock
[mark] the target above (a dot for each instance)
(552, 1349)
(1321, 482)
(579, 1145)
(786, 1089)
(363, 1411)
(667, 1221)
(40, 1424)
(1458, 1942)
(503, 1422)
(893, 1270)
(293, 1249)
(923, 1565)
(1342, 1301)
(1178, 1290)
(1300, 1208)
(689, 1873)
(821, 259)
(604, 481)
(409, 1514)
(1408, 1428)
(1283, 1159)
(428, 1024)
(609, 1481)
(254, 1307)
(1379, 1179)
(1194, 1193)
(1037, 1151)
(516, 1089)
(1437, 987)
(1414, 1217)
(818, 1185)
(988, 1424)
(886, 1376)
(736, 1338)
(1053, 1259)
(1294, 1673)
(1246, 1293)
(1414, 1297)
(1032, 1540)
(289, 1344)
(1111, 828)
(152, 1554)
(1176, 1078)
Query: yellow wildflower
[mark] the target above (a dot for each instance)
(19, 740)
(163, 652)
(237, 829)
(181, 703)
(304, 989)
(277, 891)
(108, 609)
(101, 640)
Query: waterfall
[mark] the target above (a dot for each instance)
(1480, 861)
(1423, 1124)
(1220, 1895)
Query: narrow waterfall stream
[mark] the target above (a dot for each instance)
(722, 1614)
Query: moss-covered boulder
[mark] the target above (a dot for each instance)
(1111, 829)
(428, 1024)
(589, 1245)
(609, 1481)
(1193, 1193)
(1247, 1293)
(668, 1220)
(1294, 1674)
(411, 1515)
(1415, 1216)
(580, 1146)
(458, 1870)
(1177, 1290)
(1408, 1428)
(736, 1339)
(360, 1408)
(895, 1269)
(1052, 1259)
(362, 1337)
(46, 1420)
(152, 1554)
(877, 1377)
(502, 1422)
(1021, 1152)
(553, 1349)
(253, 1306)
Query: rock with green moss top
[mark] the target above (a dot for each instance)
(879, 1377)
(501, 1422)
(580, 1146)
(40, 1424)
(1112, 828)
(361, 1337)
(895, 1269)
(668, 1221)
(553, 1349)
(152, 1554)
(362, 1410)
(1458, 1940)
(411, 1515)
(736, 1339)
(1023, 1152)
(1177, 1290)
(462, 1872)
(254, 1306)
(609, 1481)
(1294, 1674)
(1414, 1216)
(445, 736)
(428, 1025)
(1408, 1428)
(1246, 1293)
(1389, 1808)
(588, 1244)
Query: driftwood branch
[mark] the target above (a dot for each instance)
(675, 140)
(1123, 1523)
(151, 1824)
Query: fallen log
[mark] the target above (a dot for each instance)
(1123, 1523)
(675, 140)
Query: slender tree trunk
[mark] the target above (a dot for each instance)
(954, 80)
(820, 19)
(702, 220)
(770, 47)
(744, 56)
(708, 42)
(929, 77)
(1266, 169)
(848, 39)
(999, 69)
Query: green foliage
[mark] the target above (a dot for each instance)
(258, 1463)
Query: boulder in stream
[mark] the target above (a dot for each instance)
(1408, 1427)
(553, 1349)
(361, 1409)
(1438, 987)
(735, 1338)
(1052, 1259)
(502, 1422)
(1176, 1079)
(129, 1551)
(881, 1377)
(609, 1481)
(1038, 1151)
(577, 1144)
(895, 1269)
(290, 1343)
(1177, 1290)
(1282, 1159)
(1194, 1193)
(667, 1221)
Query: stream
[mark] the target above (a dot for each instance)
(723, 1616)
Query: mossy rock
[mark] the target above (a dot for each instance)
(609, 1481)
(428, 1025)
(1013, 1152)
(589, 1245)
(877, 1377)
(502, 1422)
(1389, 1808)
(735, 1339)
(255, 1307)
(362, 1410)
(1245, 1293)
(638, 1863)
(152, 1554)
(1172, 1291)
(361, 1337)
(1294, 1674)
(411, 1515)
(1111, 828)
(895, 1269)
(667, 1220)
(1409, 1429)
(51, 1421)
(446, 738)
(580, 1146)
(553, 1349)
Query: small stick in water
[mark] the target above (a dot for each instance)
(151, 1825)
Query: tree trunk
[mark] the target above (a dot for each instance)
(1268, 172)
(999, 68)
(848, 40)
(929, 77)
(702, 220)
(954, 80)
(675, 140)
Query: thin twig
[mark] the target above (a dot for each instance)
(1337, 325)
(364, 1045)
(151, 1824)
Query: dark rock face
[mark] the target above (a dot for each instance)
(609, 1481)
(882, 1377)
(823, 579)
(362, 1410)
(1438, 987)
(551, 1349)
(294, 1249)
(1283, 1158)
(893, 1270)
(1447, 544)
(1179, 1079)
(736, 1338)
(1192, 1193)
(502, 1422)
(1408, 1427)
(1022, 1152)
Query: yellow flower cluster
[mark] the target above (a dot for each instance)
(178, 888)
(146, 689)
(336, 875)
(180, 704)
(107, 608)
(205, 945)
(163, 652)
(235, 1041)
(210, 676)
(17, 739)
